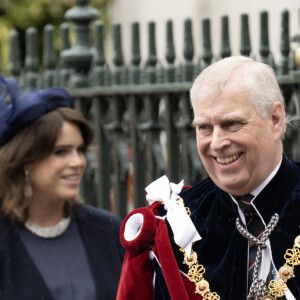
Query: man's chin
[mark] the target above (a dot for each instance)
(233, 188)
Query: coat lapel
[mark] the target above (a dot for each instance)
(20, 271)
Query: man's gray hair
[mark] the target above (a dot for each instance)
(241, 74)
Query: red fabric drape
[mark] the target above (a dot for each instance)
(137, 274)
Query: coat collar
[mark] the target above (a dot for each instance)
(280, 187)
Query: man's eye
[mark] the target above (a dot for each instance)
(233, 125)
(202, 127)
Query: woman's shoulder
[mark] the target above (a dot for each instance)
(96, 216)
(7, 231)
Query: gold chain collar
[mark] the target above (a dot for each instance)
(196, 271)
(276, 287)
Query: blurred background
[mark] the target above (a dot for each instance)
(128, 66)
(21, 14)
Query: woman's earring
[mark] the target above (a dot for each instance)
(27, 187)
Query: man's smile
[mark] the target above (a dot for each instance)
(228, 159)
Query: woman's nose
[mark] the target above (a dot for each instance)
(77, 160)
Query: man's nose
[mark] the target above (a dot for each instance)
(219, 139)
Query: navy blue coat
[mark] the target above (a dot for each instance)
(223, 250)
(99, 229)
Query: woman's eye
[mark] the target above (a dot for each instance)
(81, 150)
(60, 152)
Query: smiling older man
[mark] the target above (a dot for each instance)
(248, 211)
(239, 121)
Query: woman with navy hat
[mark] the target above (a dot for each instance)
(51, 245)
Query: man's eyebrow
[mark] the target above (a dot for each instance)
(234, 117)
(228, 118)
(199, 121)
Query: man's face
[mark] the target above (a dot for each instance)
(238, 148)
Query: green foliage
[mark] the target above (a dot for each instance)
(22, 14)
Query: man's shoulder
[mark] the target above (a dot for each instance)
(202, 197)
(201, 189)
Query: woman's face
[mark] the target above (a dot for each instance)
(58, 176)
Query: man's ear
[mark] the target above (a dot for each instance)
(277, 118)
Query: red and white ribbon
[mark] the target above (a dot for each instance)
(184, 231)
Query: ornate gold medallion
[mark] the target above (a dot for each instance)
(190, 260)
(202, 287)
(286, 272)
(268, 298)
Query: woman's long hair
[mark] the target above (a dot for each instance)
(33, 143)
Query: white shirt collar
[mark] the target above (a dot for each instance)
(257, 190)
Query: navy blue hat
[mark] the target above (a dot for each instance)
(27, 107)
